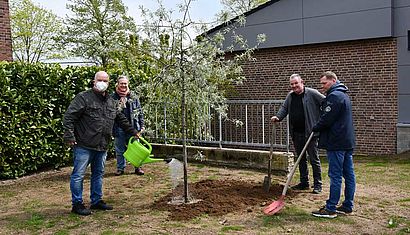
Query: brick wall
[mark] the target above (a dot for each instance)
(5, 33)
(367, 67)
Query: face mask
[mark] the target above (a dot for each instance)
(101, 86)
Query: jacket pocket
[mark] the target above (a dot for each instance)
(111, 113)
(95, 121)
(94, 112)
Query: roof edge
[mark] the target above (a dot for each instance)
(220, 26)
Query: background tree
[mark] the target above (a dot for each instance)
(97, 28)
(134, 60)
(33, 31)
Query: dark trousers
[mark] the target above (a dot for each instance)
(299, 141)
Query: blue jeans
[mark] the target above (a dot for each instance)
(82, 158)
(341, 165)
(121, 142)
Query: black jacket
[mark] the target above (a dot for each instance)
(90, 118)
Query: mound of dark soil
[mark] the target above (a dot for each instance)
(217, 197)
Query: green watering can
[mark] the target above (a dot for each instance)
(139, 152)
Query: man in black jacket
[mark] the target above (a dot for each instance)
(302, 105)
(88, 124)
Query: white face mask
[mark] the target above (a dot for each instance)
(101, 86)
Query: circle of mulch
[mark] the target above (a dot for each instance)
(217, 197)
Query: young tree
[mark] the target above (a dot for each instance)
(97, 28)
(33, 31)
(191, 72)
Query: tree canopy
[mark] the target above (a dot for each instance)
(33, 31)
(97, 28)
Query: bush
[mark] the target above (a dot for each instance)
(33, 100)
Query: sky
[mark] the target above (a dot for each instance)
(201, 10)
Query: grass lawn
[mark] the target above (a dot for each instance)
(40, 203)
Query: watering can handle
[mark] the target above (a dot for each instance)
(132, 139)
(146, 142)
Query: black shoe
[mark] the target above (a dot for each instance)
(119, 172)
(80, 209)
(343, 210)
(139, 171)
(324, 213)
(317, 190)
(101, 206)
(300, 186)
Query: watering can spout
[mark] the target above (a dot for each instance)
(139, 152)
(152, 160)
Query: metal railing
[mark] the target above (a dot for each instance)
(246, 124)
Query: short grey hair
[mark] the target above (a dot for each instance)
(122, 77)
(329, 75)
(295, 75)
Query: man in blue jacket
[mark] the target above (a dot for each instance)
(338, 138)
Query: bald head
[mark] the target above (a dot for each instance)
(101, 80)
(101, 74)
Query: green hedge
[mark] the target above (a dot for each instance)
(33, 100)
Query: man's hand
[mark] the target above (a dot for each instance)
(139, 133)
(316, 131)
(274, 119)
(71, 143)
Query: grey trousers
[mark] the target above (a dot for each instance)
(299, 141)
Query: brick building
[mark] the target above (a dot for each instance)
(5, 32)
(365, 42)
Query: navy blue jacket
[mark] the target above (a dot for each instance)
(336, 122)
(132, 111)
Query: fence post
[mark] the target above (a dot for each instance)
(156, 122)
(209, 124)
(246, 122)
(263, 123)
(165, 122)
(287, 133)
(220, 130)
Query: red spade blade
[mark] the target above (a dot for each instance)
(275, 206)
